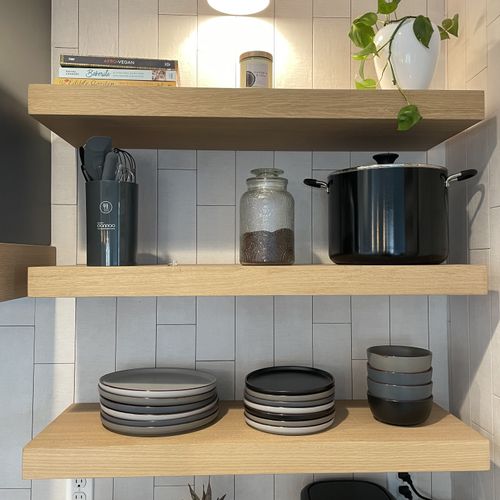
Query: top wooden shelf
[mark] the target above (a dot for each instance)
(252, 119)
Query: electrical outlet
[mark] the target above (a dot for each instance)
(80, 489)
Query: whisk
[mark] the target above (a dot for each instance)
(126, 170)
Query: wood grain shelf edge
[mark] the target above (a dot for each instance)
(237, 280)
(252, 119)
(76, 445)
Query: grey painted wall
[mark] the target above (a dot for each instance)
(25, 34)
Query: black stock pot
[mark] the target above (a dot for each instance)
(389, 213)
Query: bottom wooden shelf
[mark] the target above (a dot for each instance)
(76, 445)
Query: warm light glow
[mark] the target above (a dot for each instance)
(239, 7)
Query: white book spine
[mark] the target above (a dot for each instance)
(160, 74)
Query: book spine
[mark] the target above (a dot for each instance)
(88, 82)
(116, 62)
(119, 74)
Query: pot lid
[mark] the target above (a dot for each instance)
(385, 161)
(389, 165)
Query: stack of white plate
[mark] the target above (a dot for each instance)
(157, 401)
(290, 400)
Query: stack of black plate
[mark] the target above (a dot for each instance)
(290, 400)
(157, 401)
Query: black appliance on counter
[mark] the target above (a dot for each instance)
(345, 490)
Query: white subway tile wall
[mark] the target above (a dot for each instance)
(53, 351)
(474, 63)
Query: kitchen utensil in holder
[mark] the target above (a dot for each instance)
(111, 223)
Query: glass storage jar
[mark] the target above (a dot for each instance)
(267, 220)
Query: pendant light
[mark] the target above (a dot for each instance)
(239, 7)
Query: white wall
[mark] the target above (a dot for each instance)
(189, 213)
(474, 63)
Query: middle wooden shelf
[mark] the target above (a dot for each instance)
(236, 280)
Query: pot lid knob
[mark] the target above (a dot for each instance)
(385, 158)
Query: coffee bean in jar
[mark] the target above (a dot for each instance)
(267, 220)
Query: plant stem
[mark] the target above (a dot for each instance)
(389, 58)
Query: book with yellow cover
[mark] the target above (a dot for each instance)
(90, 82)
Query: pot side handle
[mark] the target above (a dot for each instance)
(461, 176)
(316, 184)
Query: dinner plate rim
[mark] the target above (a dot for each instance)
(170, 416)
(286, 431)
(156, 431)
(297, 398)
(157, 394)
(291, 411)
(186, 370)
(270, 369)
(204, 402)
(285, 422)
(173, 401)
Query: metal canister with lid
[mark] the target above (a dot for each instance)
(256, 69)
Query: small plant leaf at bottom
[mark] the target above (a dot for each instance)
(408, 117)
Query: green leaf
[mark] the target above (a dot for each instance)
(208, 496)
(368, 19)
(387, 7)
(361, 35)
(369, 50)
(366, 84)
(443, 33)
(408, 117)
(451, 25)
(422, 27)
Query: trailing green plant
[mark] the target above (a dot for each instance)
(206, 495)
(362, 35)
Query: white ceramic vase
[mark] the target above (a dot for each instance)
(414, 64)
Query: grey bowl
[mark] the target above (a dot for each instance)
(399, 378)
(399, 358)
(399, 392)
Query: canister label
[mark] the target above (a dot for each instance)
(257, 74)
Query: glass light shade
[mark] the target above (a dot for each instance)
(239, 7)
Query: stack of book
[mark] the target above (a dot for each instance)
(97, 70)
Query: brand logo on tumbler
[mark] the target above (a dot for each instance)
(105, 207)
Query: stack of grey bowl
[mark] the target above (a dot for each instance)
(290, 400)
(400, 384)
(157, 401)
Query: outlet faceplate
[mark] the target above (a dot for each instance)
(80, 489)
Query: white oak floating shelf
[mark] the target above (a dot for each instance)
(236, 280)
(77, 445)
(14, 262)
(252, 119)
